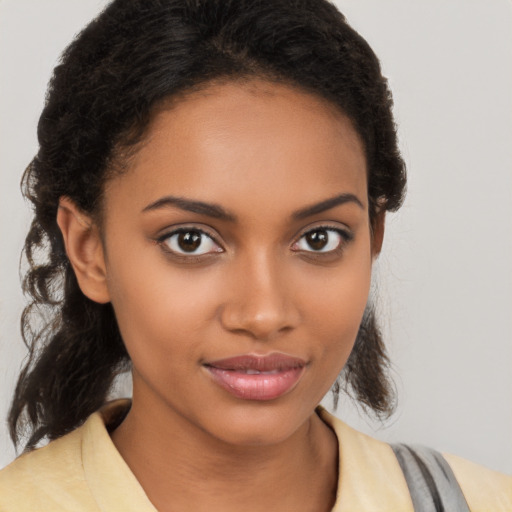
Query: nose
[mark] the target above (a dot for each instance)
(260, 301)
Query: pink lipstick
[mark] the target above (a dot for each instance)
(254, 377)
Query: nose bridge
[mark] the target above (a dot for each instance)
(260, 303)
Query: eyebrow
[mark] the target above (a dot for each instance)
(200, 207)
(323, 206)
(217, 212)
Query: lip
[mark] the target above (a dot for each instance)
(256, 377)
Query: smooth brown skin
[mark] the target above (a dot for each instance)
(260, 151)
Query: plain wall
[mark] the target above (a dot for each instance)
(444, 279)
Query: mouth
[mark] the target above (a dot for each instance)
(253, 377)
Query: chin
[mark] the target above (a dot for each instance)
(260, 424)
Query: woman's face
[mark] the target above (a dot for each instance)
(238, 258)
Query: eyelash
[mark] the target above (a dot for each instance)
(163, 241)
(345, 237)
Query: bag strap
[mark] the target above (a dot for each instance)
(432, 484)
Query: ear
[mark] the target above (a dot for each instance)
(378, 233)
(84, 249)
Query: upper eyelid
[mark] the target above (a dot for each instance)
(345, 230)
(170, 231)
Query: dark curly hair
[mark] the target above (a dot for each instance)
(109, 84)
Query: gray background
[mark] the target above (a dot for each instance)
(444, 280)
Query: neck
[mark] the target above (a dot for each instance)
(181, 467)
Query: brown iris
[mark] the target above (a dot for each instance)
(318, 239)
(189, 241)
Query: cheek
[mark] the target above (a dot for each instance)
(335, 306)
(159, 308)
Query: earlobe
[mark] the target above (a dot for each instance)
(84, 249)
(378, 233)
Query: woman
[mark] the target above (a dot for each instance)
(211, 190)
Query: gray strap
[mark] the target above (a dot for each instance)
(430, 479)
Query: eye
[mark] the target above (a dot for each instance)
(321, 240)
(193, 242)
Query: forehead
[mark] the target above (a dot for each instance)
(234, 141)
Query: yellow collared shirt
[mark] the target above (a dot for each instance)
(83, 472)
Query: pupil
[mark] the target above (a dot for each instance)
(317, 240)
(189, 241)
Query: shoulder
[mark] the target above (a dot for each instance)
(48, 478)
(483, 488)
(371, 477)
(81, 471)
